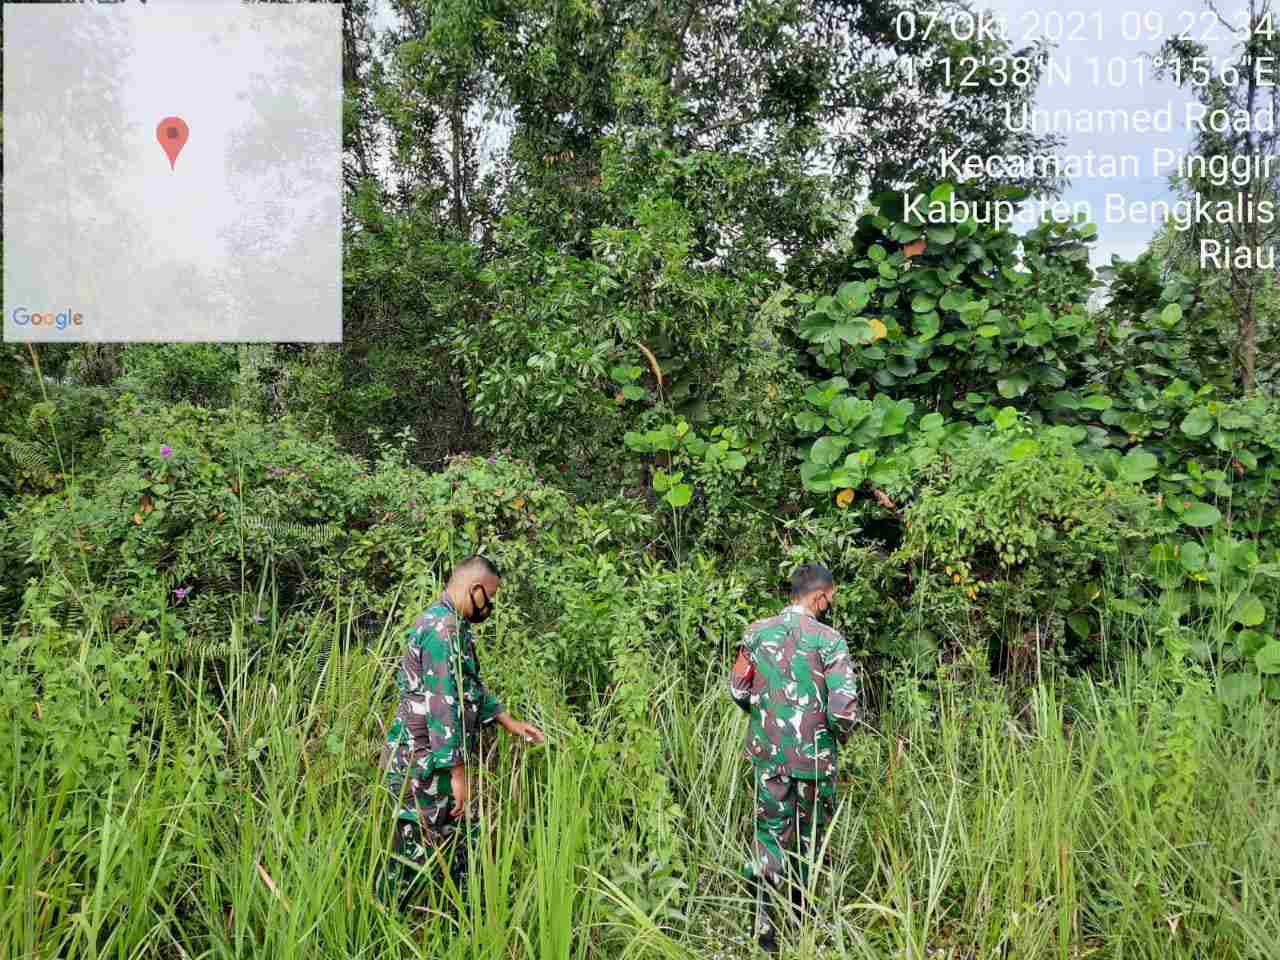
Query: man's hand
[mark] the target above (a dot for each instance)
(458, 786)
(530, 733)
(518, 728)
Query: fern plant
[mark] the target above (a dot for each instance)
(284, 531)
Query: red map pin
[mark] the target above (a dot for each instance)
(172, 134)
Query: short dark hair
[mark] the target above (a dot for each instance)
(476, 564)
(810, 577)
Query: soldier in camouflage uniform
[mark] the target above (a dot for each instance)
(443, 706)
(796, 681)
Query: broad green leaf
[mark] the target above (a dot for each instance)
(1191, 556)
(927, 325)
(1138, 465)
(827, 450)
(1198, 422)
(941, 235)
(1038, 336)
(845, 477)
(680, 495)
(853, 296)
(850, 411)
(1096, 401)
(815, 476)
(624, 374)
(941, 193)
(1011, 387)
(932, 421)
(1023, 448)
(922, 304)
(808, 422)
(1267, 659)
(1006, 418)
(1251, 641)
(888, 471)
(988, 330)
(1201, 514)
(1249, 611)
(876, 252)
(1171, 314)
(895, 419)
(857, 332)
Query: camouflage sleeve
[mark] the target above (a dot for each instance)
(842, 688)
(742, 676)
(443, 703)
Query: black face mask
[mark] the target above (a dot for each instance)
(479, 614)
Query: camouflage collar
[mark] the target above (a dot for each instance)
(797, 608)
(464, 625)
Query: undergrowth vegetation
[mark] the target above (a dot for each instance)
(198, 676)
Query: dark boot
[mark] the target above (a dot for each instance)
(765, 917)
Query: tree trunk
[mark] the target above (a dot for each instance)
(459, 134)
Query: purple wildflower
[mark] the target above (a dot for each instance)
(166, 452)
(181, 593)
(492, 461)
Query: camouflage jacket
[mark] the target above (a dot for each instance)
(800, 691)
(431, 722)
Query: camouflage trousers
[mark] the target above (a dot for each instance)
(792, 816)
(425, 830)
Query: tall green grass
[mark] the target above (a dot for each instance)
(1131, 820)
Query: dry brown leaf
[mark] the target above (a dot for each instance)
(653, 361)
(266, 878)
(137, 519)
(844, 498)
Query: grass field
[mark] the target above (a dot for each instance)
(1064, 821)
